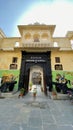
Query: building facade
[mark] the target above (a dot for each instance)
(36, 54)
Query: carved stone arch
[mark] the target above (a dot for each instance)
(27, 36)
(36, 37)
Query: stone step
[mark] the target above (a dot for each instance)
(8, 94)
(60, 96)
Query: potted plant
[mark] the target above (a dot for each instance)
(21, 92)
(30, 85)
(54, 93)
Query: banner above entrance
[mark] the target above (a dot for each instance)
(35, 59)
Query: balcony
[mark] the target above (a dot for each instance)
(37, 45)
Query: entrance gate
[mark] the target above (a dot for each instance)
(36, 76)
(35, 59)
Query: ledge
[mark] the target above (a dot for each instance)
(9, 94)
(59, 96)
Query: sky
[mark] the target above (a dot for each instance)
(24, 12)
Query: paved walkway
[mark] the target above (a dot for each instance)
(41, 113)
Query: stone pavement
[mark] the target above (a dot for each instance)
(41, 113)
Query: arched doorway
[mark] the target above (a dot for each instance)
(36, 76)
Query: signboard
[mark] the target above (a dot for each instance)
(35, 59)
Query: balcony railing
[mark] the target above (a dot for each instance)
(37, 45)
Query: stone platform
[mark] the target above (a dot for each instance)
(9, 94)
(59, 96)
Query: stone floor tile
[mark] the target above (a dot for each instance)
(49, 127)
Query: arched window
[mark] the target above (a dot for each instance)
(27, 36)
(58, 67)
(36, 37)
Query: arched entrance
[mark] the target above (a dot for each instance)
(36, 76)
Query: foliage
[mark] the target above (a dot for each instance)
(22, 91)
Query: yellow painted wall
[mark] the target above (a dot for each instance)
(66, 59)
(6, 59)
